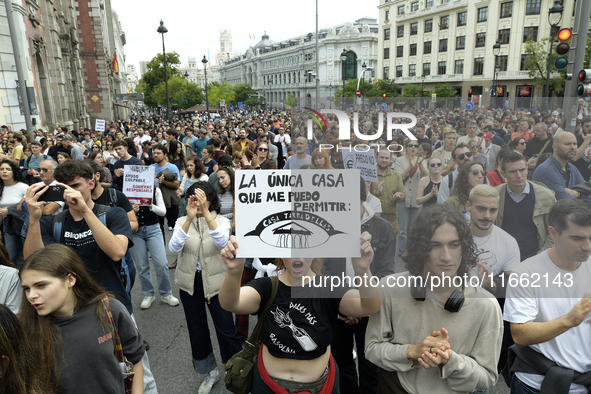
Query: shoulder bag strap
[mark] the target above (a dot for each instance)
(111, 323)
(254, 337)
(544, 147)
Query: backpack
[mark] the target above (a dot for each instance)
(126, 261)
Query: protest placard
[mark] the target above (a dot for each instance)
(138, 184)
(364, 161)
(298, 213)
(99, 125)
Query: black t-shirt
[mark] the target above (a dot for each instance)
(296, 327)
(78, 236)
(121, 200)
(583, 163)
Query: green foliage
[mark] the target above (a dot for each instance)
(219, 93)
(241, 93)
(445, 90)
(536, 63)
(412, 90)
(387, 86)
(291, 100)
(177, 88)
(155, 75)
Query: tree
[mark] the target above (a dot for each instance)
(177, 88)
(291, 100)
(245, 94)
(220, 92)
(445, 90)
(369, 89)
(536, 64)
(411, 90)
(387, 86)
(155, 75)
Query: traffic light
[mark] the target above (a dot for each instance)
(470, 93)
(563, 48)
(383, 97)
(584, 87)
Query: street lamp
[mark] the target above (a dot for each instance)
(162, 30)
(422, 80)
(554, 18)
(187, 78)
(363, 68)
(344, 72)
(204, 61)
(330, 96)
(496, 51)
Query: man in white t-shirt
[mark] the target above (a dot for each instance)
(498, 252)
(141, 137)
(548, 307)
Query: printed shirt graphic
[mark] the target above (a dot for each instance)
(297, 327)
(499, 251)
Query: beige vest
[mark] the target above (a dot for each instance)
(200, 246)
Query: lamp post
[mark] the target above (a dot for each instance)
(363, 69)
(162, 30)
(496, 51)
(204, 61)
(554, 18)
(330, 96)
(422, 81)
(187, 78)
(344, 72)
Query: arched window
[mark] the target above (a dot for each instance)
(351, 65)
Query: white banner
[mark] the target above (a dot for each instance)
(138, 184)
(299, 213)
(99, 125)
(363, 161)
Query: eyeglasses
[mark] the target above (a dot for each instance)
(412, 146)
(476, 172)
(43, 169)
(462, 156)
(263, 149)
(435, 165)
(522, 143)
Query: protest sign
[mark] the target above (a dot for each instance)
(138, 184)
(297, 213)
(99, 125)
(364, 161)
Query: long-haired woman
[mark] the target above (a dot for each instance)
(64, 311)
(13, 188)
(321, 159)
(195, 173)
(176, 156)
(470, 175)
(226, 191)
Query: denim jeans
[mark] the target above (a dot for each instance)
(149, 238)
(518, 387)
(196, 315)
(406, 217)
(14, 244)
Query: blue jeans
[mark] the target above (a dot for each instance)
(196, 315)
(518, 387)
(14, 244)
(406, 217)
(149, 238)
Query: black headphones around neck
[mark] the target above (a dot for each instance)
(453, 304)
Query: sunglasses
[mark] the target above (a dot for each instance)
(412, 146)
(476, 172)
(263, 149)
(435, 165)
(473, 146)
(462, 156)
(522, 143)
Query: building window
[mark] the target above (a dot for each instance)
(530, 34)
(504, 36)
(413, 49)
(414, 28)
(399, 51)
(482, 14)
(461, 42)
(401, 10)
(462, 18)
(502, 62)
(478, 65)
(414, 6)
(351, 65)
(386, 72)
(444, 22)
(386, 34)
(443, 45)
(480, 39)
(428, 25)
(400, 31)
(412, 70)
(522, 67)
(427, 68)
(387, 15)
(398, 71)
(429, 3)
(459, 67)
(506, 9)
(444, 1)
(532, 7)
(427, 47)
(386, 53)
(441, 68)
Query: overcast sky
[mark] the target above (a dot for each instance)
(194, 26)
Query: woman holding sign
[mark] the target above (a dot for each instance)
(198, 238)
(297, 332)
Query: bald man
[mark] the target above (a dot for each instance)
(558, 173)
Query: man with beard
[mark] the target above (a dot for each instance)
(389, 188)
(461, 155)
(582, 159)
(57, 148)
(557, 173)
(242, 144)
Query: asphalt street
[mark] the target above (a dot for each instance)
(165, 329)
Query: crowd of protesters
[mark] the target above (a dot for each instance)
(498, 195)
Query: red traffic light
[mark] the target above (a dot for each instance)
(564, 34)
(582, 75)
(383, 94)
(469, 91)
